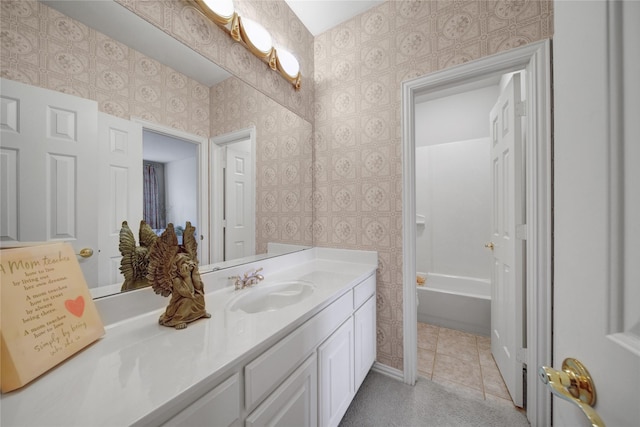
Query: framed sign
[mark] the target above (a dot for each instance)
(47, 315)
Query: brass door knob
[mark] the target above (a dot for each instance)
(573, 384)
(489, 245)
(85, 252)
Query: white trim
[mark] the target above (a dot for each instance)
(535, 58)
(616, 169)
(409, 292)
(394, 373)
(203, 178)
(217, 163)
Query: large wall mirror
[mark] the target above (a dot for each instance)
(230, 120)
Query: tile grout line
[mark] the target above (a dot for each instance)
(484, 393)
(435, 353)
(477, 350)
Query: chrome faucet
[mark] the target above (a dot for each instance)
(249, 279)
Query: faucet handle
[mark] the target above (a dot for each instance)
(238, 281)
(252, 273)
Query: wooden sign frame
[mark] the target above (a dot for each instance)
(48, 313)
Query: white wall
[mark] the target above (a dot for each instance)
(458, 117)
(182, 192)
(453, 183)
(454, 193)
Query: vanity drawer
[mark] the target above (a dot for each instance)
(267, 371)
(364, 290)
(218, 407)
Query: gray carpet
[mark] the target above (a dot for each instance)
(384, 401)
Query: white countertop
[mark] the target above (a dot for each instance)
(140, 371)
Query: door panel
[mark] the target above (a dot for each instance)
(596, 208)
(49, 146)
(239, 204)
(508, 211)
(120, 188)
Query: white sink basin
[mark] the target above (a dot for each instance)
(271, 297)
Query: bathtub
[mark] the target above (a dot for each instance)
(456, 302)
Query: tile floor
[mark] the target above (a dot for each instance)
(459, 359)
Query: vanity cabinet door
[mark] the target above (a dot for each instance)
(335, 370)
(219, 407)
(269, 369)
(365, 339)
(294, 403)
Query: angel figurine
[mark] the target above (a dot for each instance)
(173, 270)
(135, 259)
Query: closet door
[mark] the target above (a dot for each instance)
(121, 193)
(48, 166)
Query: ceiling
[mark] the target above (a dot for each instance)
(320, 15)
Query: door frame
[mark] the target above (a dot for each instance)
(202, 177)
(217, 144)
(535, 58)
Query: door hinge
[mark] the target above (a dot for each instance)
(522, 355)
(521, 109)
(521, 231)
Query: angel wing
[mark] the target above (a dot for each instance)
(161, 259)
(189, 242)
(147, 235)
(134, 261)
(127, 249)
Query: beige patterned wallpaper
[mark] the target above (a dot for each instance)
(42, 47)
(183, 20)
(283, 166)
(359, 67)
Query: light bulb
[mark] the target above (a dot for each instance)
(220, 10)
(288, 64)
(256, 37)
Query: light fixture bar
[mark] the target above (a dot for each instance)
(254, 37)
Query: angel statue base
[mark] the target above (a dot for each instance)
(173, 270)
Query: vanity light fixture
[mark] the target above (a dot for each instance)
(288, 66)
(254, 36)
(220, 11)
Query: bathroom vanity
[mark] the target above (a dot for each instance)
(291, 350)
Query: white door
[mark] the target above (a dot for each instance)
(48, 170)
(121, 194)
(239, 204)
(507, 216)
(364, 331)
(596, 286)
(336, 375)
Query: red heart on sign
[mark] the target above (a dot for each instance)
(75, 306)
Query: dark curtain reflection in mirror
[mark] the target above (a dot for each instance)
(154, 195)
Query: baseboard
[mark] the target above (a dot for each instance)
(388, 371)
